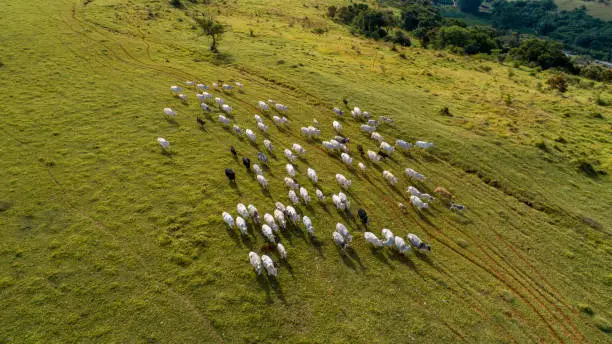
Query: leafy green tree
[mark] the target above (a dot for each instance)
(544, 53)
(470, 6)
(211, 28)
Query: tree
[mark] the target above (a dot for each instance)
(470, 6)
(212, 28)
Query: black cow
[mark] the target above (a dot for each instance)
(383, 154)
(200, 122)
(233, 150)
(360, 149)
(363, 216)
(230, 175)
(246, 162)
(341, 139)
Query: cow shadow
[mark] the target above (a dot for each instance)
(317, 244)
(275, 285)
(378, 254)
(263, 284)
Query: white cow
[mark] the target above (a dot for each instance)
(308, 224)
(254, 213)
(298, 149)
(390, 177)
(226, 108)
(338, 203)
(237, 130)
(372, 239)
(312, 174)
(346, 159)
(268, 234)
(338, 112)
(293, 215)
(241, 224)
(262, 181)
(242, 210)
(280, 218)
(251, 135)
(418, 203)
(291, 183)
(258, 171)
(163, 143)
(258, 119)
(361, 167)
(293, 197)
(340, 228)
(219, 101)
(262, 127)
(414, 174)
(320, 195)
(268, 145)
(256, 262)
(202, 87)
(263, 106)
(223, 119)
(337, 126)
(189, 83)
(345, 183)
(339, 240)
(169, 112)
(228, 219)
(269, 220)
(289, 155)
(373, 156)
(403, 144)
(305, 196)
(281, 251)
(367, 128)
(269, 266)
(387, 148)
(290, 170)
(356, 112)
(281, 107)
(424, 145)
(176, 89)
(377, 137)
(389, 237)
(205, 107)
(418, 243)
(400, 245)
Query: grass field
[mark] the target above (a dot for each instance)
(106, 239)
(601, 10)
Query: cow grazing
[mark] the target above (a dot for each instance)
(363, 216)
(246, 162)
(229, 173)
(418, 243)
(233, 150)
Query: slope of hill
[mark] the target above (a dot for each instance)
(106, 239)
(598, 9)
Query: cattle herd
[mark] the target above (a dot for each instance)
(284, 216)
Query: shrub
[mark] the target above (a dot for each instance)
(176, 3)
(399, 37)
(587, 169)
(543, 53)
(445, 112)
(558, 82)
(331, 11)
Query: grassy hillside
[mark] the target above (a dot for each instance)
(106, 239)
(601, 10)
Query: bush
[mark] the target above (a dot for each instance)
(331, 12)
(587, 169)
(399, 37)
(543, 53)
(558, 82)
(176, 3)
